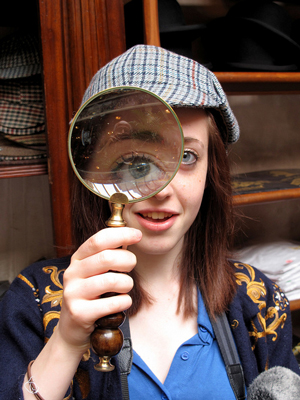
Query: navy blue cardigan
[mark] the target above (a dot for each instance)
(259, 317)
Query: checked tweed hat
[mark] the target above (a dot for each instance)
(178, 80)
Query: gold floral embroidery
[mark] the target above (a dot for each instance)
(55, 297)
(24, 279)
(256, 290)
(34, 290)
(52, 296)
(235, 323)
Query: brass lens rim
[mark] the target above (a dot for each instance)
(123, 89)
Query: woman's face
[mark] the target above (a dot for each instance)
(166, 217)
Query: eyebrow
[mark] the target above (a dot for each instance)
(146, 136)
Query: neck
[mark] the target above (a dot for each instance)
(158, 270)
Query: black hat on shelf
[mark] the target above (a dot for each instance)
(175, 34)
(254, 35)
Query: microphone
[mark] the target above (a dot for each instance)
(278, 383)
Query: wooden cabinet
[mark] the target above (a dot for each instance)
(77, 38)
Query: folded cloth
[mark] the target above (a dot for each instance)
(279, 260)
(35, 141)
(12, 152)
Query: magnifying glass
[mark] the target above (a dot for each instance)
(125, 145)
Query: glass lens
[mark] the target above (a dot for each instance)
(125, 140)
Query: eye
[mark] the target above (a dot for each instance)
(136, 167)
(189, 157)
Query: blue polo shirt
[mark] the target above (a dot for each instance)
(197, 370)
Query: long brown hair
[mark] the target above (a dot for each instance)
(205, 256)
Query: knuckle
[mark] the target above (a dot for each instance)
(118, 303)
(93, 242)
(105, 257)
(110, 280)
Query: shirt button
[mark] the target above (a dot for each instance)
(164, 397)
(185, 356)
(202, 329)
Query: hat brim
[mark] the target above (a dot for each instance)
(273, 30)
(240, 32)
(231, 24)
(182, 28)
(262, 67)
(21, 118)
(11, 152)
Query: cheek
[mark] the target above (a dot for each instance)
(191, 195)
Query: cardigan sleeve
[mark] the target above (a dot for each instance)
(21, 336)
(29, 312)
(261, 323)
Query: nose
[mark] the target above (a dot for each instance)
(167, 191)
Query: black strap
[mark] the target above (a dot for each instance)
(226, 344)
(230, 355)
(125, 359)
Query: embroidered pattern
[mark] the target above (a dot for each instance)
(35, 291)
(53, 296)
(235, 323)
(271, 319)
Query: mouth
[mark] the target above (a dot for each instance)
(156, 216)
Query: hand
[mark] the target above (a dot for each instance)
(91, 274)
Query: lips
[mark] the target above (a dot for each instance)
(156, 220)
(156, 215)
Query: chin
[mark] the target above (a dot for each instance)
(156, 247)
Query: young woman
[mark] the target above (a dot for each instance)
(170, 266)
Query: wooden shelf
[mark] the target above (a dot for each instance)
(295, 305)
(22, 170)
(260, 82)
(266, 186)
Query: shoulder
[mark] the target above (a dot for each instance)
(42, 272)
(40, 281)
(256, 293)
(39, 288)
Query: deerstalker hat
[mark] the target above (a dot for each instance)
(178, 80)
(21, 106)
(19, 55)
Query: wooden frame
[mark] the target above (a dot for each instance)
(76, 39)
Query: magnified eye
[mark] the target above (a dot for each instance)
(135, 167)
(139, 168)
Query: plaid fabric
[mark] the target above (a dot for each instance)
(22, 90)
(21, 106)
(21, 119)
(178, 80)
(19, 55)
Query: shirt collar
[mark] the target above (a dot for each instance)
(203, 318)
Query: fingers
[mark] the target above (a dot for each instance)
(110, 238)
(93, 287)
(86, 316)
(102, 253)
(99, 266)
